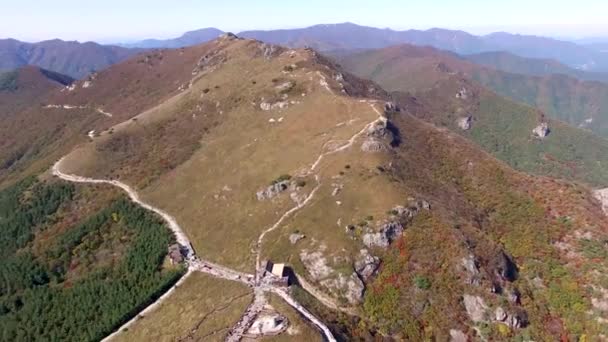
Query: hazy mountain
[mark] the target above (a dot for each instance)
(187, 39)
(69, 58)
(509, 62)
(351, 36)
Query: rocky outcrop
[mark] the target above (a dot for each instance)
(458, 336)
(350, 287)
(504, 267)
(470, 265)
(266, 106)
(541, 130)
(295, 237)
(285, 86)
(378, 137)
(366, 265)
(462, 94)
(389, 230)
(476, 307)
(273, 190)
(464, 123)
(602, 196)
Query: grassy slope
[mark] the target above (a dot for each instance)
(207, 305)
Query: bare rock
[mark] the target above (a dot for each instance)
(472, 269)
(458, 336)
(500, 314)
(476, 307)
(388, 232)
(285, 87)
(390, 107)
(295, 237)
(505, 267)
(378, 137)
(351, 287)
(272, 190)
(541, 130)
(462, 93)
(602, 196)
(465, 123)
(366, 265)
(316, 263)
(266, 106)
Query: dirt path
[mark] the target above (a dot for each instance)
(250, 314)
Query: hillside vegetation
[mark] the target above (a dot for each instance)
(501, 126)
(79, 281)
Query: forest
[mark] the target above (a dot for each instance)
(41, 299)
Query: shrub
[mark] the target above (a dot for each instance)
(422, 283)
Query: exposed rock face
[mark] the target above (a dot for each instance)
(351, 287)
(465, 123)
(316, 264)
(470, 265)
(366, 265)
(500, 314)
(266, 106)
(602, 196)
(391, 229)
(462, 94)
(458, 336)
(268, 324)
(390, 107)
(476, 307)
(295, 237)
(541, 130)
(505, 267)
(272, 190)
(285, 87)
(379, 137)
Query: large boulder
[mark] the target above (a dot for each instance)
(542, 130)
(465, 123)
(273, 190)
(366, 265)
(476, 307)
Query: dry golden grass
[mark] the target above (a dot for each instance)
(203, 308)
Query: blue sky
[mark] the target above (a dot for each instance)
(124, 20)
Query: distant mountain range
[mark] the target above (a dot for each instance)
(70, 58)
(187, 39)
(79, 59)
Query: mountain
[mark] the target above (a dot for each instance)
(351, 36)
(580, 103)
(69, 58)
(392, 222)
(187, 39)
(23, 87)
(530, 66)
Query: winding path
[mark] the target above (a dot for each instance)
(237, 331)
(194, 263)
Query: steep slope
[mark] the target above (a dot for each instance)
(23, 87)
(69, 58)
(349, 36)
(187, 39)
(426, 70)
(530, 66)
(271, 153)
(49, 126)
